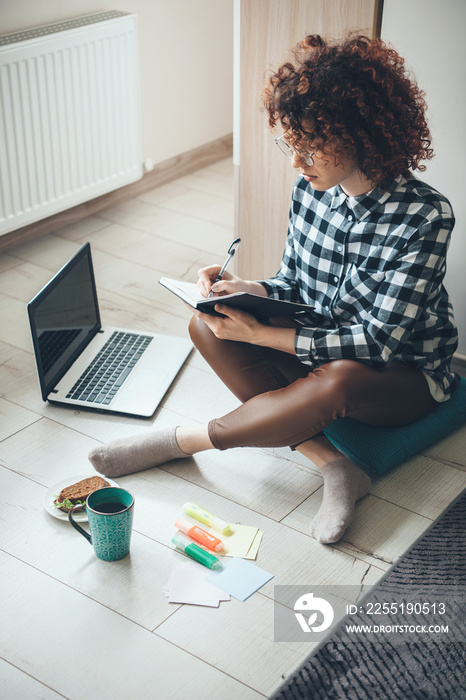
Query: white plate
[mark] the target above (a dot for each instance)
(54, 491)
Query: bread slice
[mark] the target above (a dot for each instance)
(79, 491)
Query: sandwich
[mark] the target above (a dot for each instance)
(76, 494)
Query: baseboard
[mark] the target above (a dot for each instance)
(459, 364)
(162, 173)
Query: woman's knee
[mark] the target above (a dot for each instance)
(193, 328)
(211, 348)
(200, 333)
(342, 376)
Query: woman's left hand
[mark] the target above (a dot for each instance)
(235, 325)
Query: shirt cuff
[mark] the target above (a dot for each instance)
(280, 290)
(271, 291)
(304, 345)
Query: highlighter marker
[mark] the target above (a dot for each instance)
(199, 535)
(200, 555)
(207, 518)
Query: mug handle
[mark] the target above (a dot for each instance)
(75, 524)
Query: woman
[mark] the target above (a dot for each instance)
(366, 247)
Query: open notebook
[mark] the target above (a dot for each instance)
(252, 303)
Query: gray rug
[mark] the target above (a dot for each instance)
(420, 668)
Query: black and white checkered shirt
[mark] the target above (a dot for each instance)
(373, 268)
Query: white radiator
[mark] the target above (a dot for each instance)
(69, 115)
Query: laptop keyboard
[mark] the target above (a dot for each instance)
(52, 345)
(102, 379)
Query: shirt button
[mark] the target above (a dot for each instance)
(335, 279)
(350, 217)
(339, 248)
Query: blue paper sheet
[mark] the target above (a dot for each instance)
(239, 578)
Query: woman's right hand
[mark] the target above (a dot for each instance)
(229, 284)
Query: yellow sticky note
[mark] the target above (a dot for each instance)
(243, 541)
(252, 553)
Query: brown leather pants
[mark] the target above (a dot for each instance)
(285, 403)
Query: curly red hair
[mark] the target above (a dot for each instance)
(358, 95)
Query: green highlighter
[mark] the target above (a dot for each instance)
(197, 553)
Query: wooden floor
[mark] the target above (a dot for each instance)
(75, 627)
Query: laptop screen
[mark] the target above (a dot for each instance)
(64, 317)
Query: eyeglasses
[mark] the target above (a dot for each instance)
(290, 150)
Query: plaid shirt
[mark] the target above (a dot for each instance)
(373, 267)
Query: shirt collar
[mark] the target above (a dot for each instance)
(362, 205)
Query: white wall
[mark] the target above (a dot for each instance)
(186, 64)
(429, 34)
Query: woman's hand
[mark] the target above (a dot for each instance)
(233, 325)
(229, 283)
(244, 328)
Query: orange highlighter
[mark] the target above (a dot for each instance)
(199, 535)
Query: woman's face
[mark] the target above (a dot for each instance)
(330, 170)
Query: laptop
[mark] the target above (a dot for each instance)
(82, 364)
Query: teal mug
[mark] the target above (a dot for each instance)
(110, 515)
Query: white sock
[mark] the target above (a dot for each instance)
(133, 454)
(344, 484)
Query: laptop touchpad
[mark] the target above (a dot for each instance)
(144, 390)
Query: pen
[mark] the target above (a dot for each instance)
(196, 552)
(231, 251)
(207, 518)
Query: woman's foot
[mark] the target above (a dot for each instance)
(134, 454)
(344, 484)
